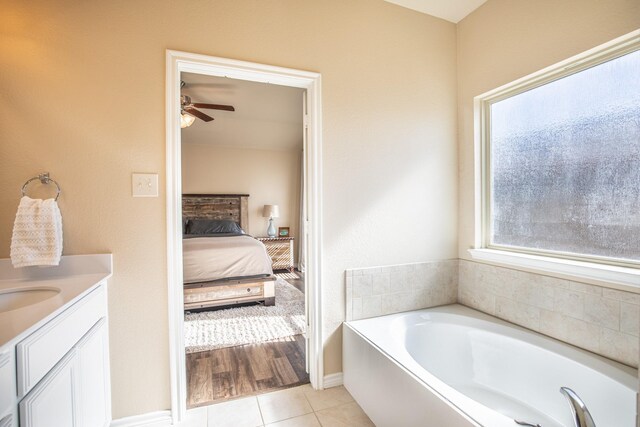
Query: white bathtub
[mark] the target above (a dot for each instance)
(453, 366)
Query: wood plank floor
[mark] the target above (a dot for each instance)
(250, 369)
(245, 370)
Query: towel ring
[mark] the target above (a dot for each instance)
(44, 179)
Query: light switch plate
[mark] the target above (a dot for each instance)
(144, 185)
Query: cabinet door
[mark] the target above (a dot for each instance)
(7, 421)
(51, 402)
(93, 377)
(7, 382)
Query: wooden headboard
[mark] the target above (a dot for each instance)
(217, 206)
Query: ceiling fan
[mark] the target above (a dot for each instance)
(189, 112)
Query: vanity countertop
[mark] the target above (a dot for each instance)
(75, 277)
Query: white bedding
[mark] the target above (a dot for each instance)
(213, 258)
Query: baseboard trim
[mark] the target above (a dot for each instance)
(163, 418)
(332, 380)
(150, 419)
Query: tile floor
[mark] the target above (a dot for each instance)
(295, 407)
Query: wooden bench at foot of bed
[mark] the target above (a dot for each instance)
(228, 292)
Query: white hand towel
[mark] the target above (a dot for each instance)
(37, 233)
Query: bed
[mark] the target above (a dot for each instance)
(222, 265)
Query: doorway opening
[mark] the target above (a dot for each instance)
(213, 314)
(243, 242)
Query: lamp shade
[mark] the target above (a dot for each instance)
(271, 211)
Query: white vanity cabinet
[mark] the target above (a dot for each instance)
(63, 368)
(75, 391)
(55, 372)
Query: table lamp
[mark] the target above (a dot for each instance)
(271, 211)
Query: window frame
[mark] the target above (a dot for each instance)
(616, 270)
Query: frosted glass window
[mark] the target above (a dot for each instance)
(565, 164)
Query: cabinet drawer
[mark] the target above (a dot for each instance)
(222, 292)
(40, 351)
(7, 381)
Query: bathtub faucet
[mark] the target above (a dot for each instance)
(581, 415)
(524, 423)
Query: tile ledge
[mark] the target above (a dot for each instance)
(614, 277)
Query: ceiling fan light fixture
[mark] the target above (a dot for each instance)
(186, 120)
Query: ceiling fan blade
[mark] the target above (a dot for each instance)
(198, 114)
(214, 106)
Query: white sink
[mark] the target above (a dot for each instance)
(12, 299)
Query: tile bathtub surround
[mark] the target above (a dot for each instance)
(602, 320)
(296, 407)
(378, 291)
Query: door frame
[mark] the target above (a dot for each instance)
(176, 63)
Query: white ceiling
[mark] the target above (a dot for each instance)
(451, 10)
(267, 116)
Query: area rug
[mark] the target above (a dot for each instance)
(230, 327)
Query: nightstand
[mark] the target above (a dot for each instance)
(280, 249)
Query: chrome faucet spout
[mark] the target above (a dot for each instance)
(581, 415)
(524, 423)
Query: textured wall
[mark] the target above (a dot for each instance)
(82, 95)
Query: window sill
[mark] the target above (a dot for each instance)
(626, 278)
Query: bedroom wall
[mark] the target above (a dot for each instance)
(270, 177)
(82, 95)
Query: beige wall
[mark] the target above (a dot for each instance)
(504, 40)
(82, 96)
(269, 177)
